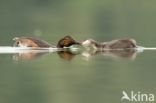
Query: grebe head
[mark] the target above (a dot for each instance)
(67, 41)
(18, 42)
(30, 42)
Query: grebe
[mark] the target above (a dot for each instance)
(114, 44)
(30, 42)
(67, 41)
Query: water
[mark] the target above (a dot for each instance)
(74, 77)
(83, 76)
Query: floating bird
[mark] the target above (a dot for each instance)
(114, 44)
(67, 41)
(30, 42)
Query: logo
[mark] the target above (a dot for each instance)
(137, 96)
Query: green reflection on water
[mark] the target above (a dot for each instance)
(52, 79)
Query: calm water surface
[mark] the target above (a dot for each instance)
(66, 78)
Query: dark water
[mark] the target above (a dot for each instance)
(82, 77)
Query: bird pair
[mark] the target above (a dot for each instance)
(67, 41)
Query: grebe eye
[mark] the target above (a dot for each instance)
(17, 42)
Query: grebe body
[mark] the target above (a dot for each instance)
(30, 42)
(114, 44)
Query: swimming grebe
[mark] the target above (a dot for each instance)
(30, 42)
(114, 44)
(67, 41)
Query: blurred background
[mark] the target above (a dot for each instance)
(100, 79)
(102, 20)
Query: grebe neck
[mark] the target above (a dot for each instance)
(97, 45)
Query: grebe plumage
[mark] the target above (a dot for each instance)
(67, 41)
(114, 44)
(30, 42)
